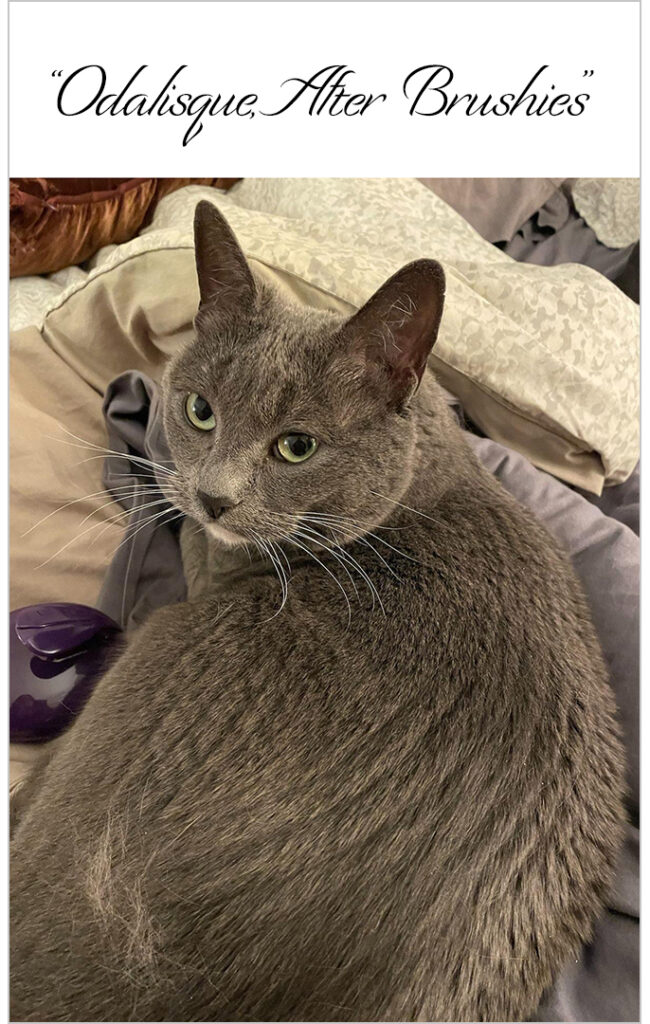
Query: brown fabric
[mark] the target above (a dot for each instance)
(57, 222)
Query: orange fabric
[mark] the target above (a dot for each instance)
(57, 222)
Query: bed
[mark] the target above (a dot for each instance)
(542, 361)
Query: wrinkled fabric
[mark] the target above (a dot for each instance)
(146, 571)
(546, 357)
(603, 983)
(557, 234)
(495, 207)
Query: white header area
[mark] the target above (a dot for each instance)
(317, 89)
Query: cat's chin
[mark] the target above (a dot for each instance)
(223, 536)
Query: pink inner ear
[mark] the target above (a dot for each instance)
(413, 340)
(398, 326)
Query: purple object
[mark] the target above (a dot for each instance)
(57, 653)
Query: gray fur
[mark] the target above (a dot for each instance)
(405, 809)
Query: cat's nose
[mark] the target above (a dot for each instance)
(214, 506)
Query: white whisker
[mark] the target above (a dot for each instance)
(86, 497)
(363, 527)
(344, 554)
(407, 507)
(279, 570)
(147, 522)
(312, 535)
(328, 571)
(105, 523)
(104, 452)
(90, 445)
(362, 540)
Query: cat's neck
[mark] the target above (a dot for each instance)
(444, 460)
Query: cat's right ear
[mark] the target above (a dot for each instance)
(225, 280)
(398, 326)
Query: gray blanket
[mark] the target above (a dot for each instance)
(601, 537)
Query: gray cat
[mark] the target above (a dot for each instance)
(371, 774)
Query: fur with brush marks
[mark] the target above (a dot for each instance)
(400, 796)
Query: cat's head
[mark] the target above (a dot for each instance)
(279, 416)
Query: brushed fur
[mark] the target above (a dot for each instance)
(408, 808)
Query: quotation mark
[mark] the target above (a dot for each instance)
(587, 74)
(56, 74)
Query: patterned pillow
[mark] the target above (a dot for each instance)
(544, 359)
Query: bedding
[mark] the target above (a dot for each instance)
(611, 206)
(556, 233)
(544, 359)
(495, 207)
(549, 221)
(542, 362)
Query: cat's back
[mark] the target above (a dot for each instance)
(370, 805)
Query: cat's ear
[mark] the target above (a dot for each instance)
(398, 326)
(225, 280)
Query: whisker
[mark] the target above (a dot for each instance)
(343, 553)
(135, 476)
(126, 581)
(87, 497)
(111, 520)
(128, 512)
(115, 501)
(284, 582)
(128, 565)
(328, 571)
(323, 516)
(282, 554)
(320, 539)
(278, 571)
(366, 543)
(104, 453)
(346, 519)
(266, 556)
(149, 520)
(100, 448)
(392, 547)
(127, 571)
(407, 507)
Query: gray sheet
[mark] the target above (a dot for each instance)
(146, 571)
(601, 537)
(556, 233)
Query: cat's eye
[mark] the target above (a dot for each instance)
(295, 447)
(199, 412)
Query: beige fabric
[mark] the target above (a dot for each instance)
(46, 396)
(554, 453)
(22, 757)
(611, 207)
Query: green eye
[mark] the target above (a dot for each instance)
(295, 447)
(199, 412)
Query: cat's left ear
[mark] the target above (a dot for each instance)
(398, 326)
(225, 280)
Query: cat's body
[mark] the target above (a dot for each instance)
(399, 812)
